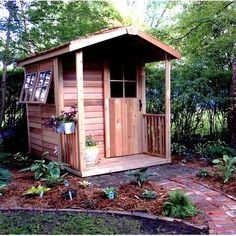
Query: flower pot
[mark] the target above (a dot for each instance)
(66, 128)
(91, 155)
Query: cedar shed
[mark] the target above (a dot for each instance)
(103, 74)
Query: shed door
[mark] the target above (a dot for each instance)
(125, 115)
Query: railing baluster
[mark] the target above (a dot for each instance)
(154, 134)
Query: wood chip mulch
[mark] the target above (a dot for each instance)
(216, 182)
(128, 198)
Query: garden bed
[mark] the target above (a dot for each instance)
(128, 198)
(212, 180)
(215, 182)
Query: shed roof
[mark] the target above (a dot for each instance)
(105, 36)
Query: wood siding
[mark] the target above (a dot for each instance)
(41, 139)
(94, 102)
(93, 96)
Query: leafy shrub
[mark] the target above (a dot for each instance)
(90, 142)
(226, 167)
(42, 169)
(69, 194)
(109, 192)
(5, 178)
(140, 176)
(85, 184)
(203, 173)
(36, 190)
(53, 180)
(179, 205)
(178, 149)
(147, 194)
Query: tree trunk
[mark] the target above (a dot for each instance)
(5, 61)
(232, 107)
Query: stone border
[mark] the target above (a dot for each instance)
(120, 213)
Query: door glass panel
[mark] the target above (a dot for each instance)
(117, 89)
(130, 89)
(116, 71)
(130, 71)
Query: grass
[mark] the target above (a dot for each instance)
(65, 223)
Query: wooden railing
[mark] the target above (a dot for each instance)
(69, 148)
(154, 134)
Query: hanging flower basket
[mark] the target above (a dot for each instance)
(64, 123)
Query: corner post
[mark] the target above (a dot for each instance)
(59, 102)
(167, 108)
(80, 104)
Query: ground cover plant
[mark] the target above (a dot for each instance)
(179, 205)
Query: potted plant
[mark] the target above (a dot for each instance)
(64, 123)
(91, 151)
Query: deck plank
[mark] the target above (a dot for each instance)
(110, 165)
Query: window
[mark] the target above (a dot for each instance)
(123, 80)
(28, 87)
(42, 87)
(35, 89)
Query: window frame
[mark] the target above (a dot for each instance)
(48, 87)
(124, 81)
(32, 96)
(23, 87)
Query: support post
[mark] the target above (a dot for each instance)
(59, 101)
(106, 85)
(167, 109)
(80, 104)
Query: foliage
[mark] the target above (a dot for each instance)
(42, 169)
(109, 192)
(90, 142)
(69, 194)
(203, 173)
(140, 176)
(53, 180)
(147, 194)
(179, 205)
(54, 121)
(36, 190)
(226, 167)
(5, 178)
(85, 183)
(179, 149)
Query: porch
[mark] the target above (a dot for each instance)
(154, 151)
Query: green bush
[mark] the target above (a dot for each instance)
(179, 205)
(140, 176)
(226, 167)
(5, 178)
(47, 171)
(179, 149)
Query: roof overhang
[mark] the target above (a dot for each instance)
(97, 38)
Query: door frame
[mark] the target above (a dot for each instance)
(141, 95)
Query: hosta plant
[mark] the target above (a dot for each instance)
(140, 176)
(36, 190)
(225, 166)
(85, 184)
(109, 192)
(179, 205)
(43, 169)
(5, 178)
(203, 173)
(147, 194)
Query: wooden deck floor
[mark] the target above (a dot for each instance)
(110, 165)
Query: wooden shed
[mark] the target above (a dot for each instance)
(103, 73)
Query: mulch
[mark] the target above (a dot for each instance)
(128, 198)
(212, 180)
